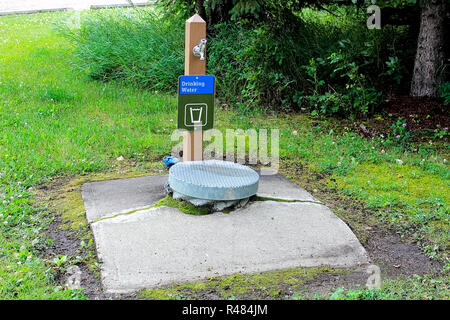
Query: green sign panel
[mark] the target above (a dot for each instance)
(196, 102)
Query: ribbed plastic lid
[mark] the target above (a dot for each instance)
(213, 180)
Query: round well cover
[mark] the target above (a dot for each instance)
(213, 180)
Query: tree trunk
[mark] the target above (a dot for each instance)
(430, 54)
(200, 7)
(219, 12)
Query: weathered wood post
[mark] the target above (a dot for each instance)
(195, 31)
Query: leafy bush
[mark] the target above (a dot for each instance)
(331, 65)
(359, 64)
(400, 133)
(252, 66)
(440, 133)
(444, 90)
(135, 45)
(353, 99)
(259, 65)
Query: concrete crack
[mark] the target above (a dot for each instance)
(258, 198)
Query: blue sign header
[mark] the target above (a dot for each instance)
(196, 85)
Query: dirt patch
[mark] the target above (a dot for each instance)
(397, 257)
(426, 118)
(63, 243)
(66, 243)
(420, 113)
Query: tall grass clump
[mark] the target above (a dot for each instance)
(136, 45)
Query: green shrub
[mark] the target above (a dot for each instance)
(353, 97)
(331, 65)
(259, 65)
(444, 90)
(248, 64)
(135, 45)
(400, 133)
(359, 64)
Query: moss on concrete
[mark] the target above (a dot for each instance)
(258, 198)
(265, 285)
(63, 196)
(183, 206)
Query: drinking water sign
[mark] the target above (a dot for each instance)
(196, 102)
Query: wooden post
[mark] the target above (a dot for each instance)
(195, 31)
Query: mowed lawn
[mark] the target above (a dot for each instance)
(54, 121)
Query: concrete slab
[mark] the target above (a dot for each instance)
(162, 245)
(278, 187)
(107, 198)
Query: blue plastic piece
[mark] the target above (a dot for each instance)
(169, 161)
(213, 180)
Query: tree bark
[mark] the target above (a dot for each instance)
(430, 55)
(200, 7)
(219, 12)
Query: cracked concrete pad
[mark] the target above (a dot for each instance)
(278, 187)
(107, 198)
(162, 245)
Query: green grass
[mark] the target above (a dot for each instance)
(56, 122)
(406, 196)
(414, 288)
